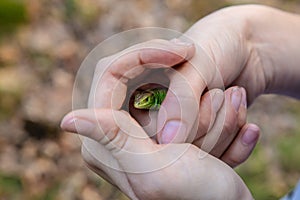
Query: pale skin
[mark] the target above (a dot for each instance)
(167, 54)
(189, 173)
(258, 49)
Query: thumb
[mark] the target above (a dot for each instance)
(119, 134)
(177, 117)
(111, 128)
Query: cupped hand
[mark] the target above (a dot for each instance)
(117, 148)
(184, 109)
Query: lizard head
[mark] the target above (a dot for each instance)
(144, 100)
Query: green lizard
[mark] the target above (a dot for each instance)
(149, 99)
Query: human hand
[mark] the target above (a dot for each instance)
(118, 149)
(138, 65)
(254, 46)
(236, 139)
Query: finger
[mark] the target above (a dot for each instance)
(108, 127)
(112, 73)
(120, 135)
(177, 121)
(211, 102)
(242, 146)
(96, 156)
(148, 118)
(230, 118)
(235, 118)
(179, 110)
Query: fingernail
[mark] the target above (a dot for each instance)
(250, 136)
(68, 123)
(173, 129)
(77, 125)
(217, 100)
(180, 42)
(236, 97)
(244, 97)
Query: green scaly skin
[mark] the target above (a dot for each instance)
(149, 99)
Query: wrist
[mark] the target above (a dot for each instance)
(273, 39)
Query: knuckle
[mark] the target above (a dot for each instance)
(114, 140)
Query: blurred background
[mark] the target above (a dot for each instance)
(42, 44)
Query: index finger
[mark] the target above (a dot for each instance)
(111, 75)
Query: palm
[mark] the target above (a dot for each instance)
(183, 164)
